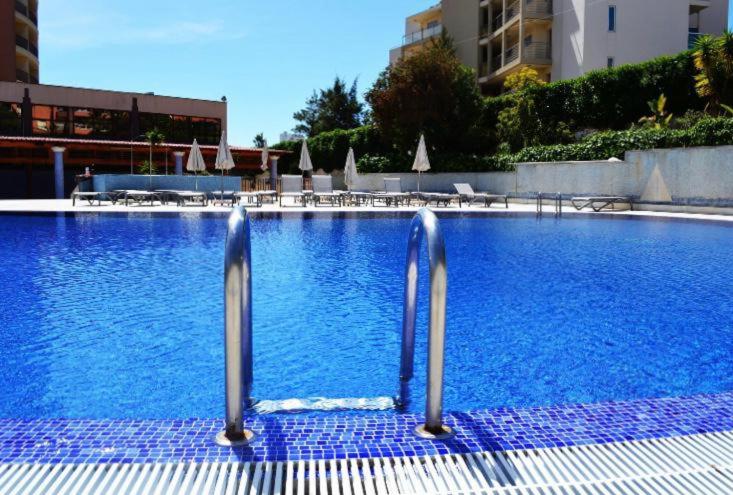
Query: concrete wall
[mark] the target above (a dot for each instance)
(674, 177)
(111, 182)
(461, 21)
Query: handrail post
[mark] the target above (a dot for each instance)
(237, 328)
(425, 222)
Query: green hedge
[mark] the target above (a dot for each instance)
(605, 145)
(611, 98)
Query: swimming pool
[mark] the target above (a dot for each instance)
(121, 316)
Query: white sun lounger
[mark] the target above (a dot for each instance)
(292, 187)
(598, 203)
(392, 193)
(468, 195)
(323, 190)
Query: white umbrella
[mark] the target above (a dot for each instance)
(195, 161)
(265, 157)
(305, 159)
(224, 159)
(350, 172)
(421, 164)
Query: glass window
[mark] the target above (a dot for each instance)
(83, 122)
(612, 18)
(206, 130)
(10, 121)
(42, 119)
(610, 62)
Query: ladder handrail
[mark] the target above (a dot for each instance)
(237, 327)
(425, 222)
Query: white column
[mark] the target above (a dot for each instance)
(58, 170)
(273, 173)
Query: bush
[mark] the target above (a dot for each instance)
(610, 98)
(605, 145)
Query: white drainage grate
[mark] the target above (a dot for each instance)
(681, 465)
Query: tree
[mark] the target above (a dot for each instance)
(660, 117)
(330, 109)
(154, 137)
(259, 140)
(714, 61)
(428, 92)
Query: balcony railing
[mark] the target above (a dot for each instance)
(422, 34)
(538, 8)
(22, 76)
(511, 54)
(24, 43)
(537, 51)
(511, 11)
(497, 22)
(23, 9)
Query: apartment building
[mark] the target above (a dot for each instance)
(561, 39)
(19, 41)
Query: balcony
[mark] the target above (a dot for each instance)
(23, 9)
(28, 45)
(22, 76)
(538, 9)
(422, 35)
(532, 53)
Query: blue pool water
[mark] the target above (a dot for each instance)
(121, 317)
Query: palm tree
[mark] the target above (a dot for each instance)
(713, 59)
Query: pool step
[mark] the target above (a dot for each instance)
(679, 465)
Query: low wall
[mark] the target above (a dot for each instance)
(493, 182)
(680, 176)
(110, 182)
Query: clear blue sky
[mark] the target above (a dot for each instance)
(266, 56)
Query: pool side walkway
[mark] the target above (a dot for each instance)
(64, 205)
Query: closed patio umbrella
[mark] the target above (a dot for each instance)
(421, 164)
(224, 159)
(350, 172)
(195, 161)
(305, 163)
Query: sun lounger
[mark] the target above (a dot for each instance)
(138, 196)
(88, 196)
(223, 197)
(469, 196)
(323, 190)
(292, 187)
(392, 193)
(192, 198)
(267, 194)
(598, 203)
(439, 199)
(253, 198)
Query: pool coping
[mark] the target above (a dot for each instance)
(366, 435)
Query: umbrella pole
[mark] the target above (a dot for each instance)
(418, 180)
(222, 185)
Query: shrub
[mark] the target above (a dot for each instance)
(609, 98)
(605, 145)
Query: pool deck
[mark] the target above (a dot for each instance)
(662, 445)
(64, 205)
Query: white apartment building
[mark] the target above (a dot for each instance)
(561, 39)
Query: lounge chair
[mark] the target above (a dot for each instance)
(253, 198)
(598, 203)
(139, 196)
(188, 198)
(323, 190)
(439, 199)
(392, 193)
(88, 196)
(468, 195)
(292, 187)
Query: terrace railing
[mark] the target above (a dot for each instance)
(422, 34)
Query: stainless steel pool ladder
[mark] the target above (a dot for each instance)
(425, 222)
(238, 325)
(237, 328)
(557, 199)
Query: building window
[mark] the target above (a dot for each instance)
(10, 121)
(610, 63)
(612, 18)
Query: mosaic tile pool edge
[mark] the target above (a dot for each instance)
(292, 437)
